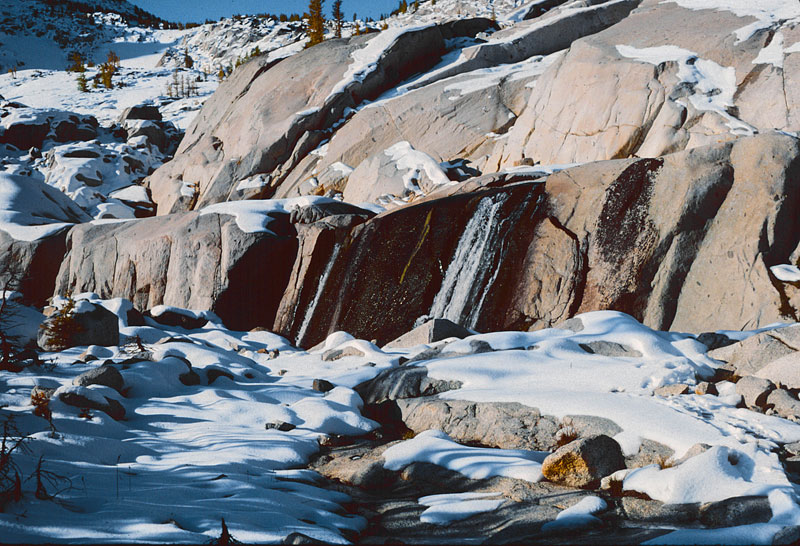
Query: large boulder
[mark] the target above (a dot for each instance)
(584, 462)
(200, 261)
(266, 118)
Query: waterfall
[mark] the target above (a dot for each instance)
(474, 266)
(317, 295)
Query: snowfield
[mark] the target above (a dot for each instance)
(187, 455)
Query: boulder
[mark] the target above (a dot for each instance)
(105, 375)
(83, 397)
(430, 332)
(163, 135)
(651, 511)
(671, 390)
(141, 111)
(398, 173)
(190, 261)
(584, 462)
(26, 128)
(754, 390)
(608, 348)
(496, 424)
(750, 356)
(322, 385)
(783, 403)
(403, 382)
(335, 354)
(736, 511)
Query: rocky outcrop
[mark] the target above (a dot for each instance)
(648, 101)
(192, 260)
(266, 118)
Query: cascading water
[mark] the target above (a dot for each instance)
(318, 294)
(474, 266)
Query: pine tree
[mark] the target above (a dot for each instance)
(316, 23)
(338, 17)
(83, 83)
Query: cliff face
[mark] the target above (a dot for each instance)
(608, 155)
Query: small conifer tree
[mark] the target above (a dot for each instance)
(188, 62)
(83, 83)
(62, 326)
(316, 23)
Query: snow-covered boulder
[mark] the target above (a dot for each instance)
(26, 128)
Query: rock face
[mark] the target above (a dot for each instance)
(192, 261)
(642, 100)
(279, 117)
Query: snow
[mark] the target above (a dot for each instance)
(254, 216)
(414, 163)
(446, 508)
(434, 446)
(714, 85)
(578, 515)
(766, 12)
(786, 272)
(772, 53)
(365, 59)
(31, 210)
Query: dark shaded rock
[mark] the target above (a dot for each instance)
(177, 317)
(281, 426)
(313, 213)
(106, 375)
(714, 340)
(322, 385)
(212, 374)
(584, 462)
(403, 382)
(736, 511)
(142, 111)
(111, 407)
(651, 511)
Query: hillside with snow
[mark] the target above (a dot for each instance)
(499, 271)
